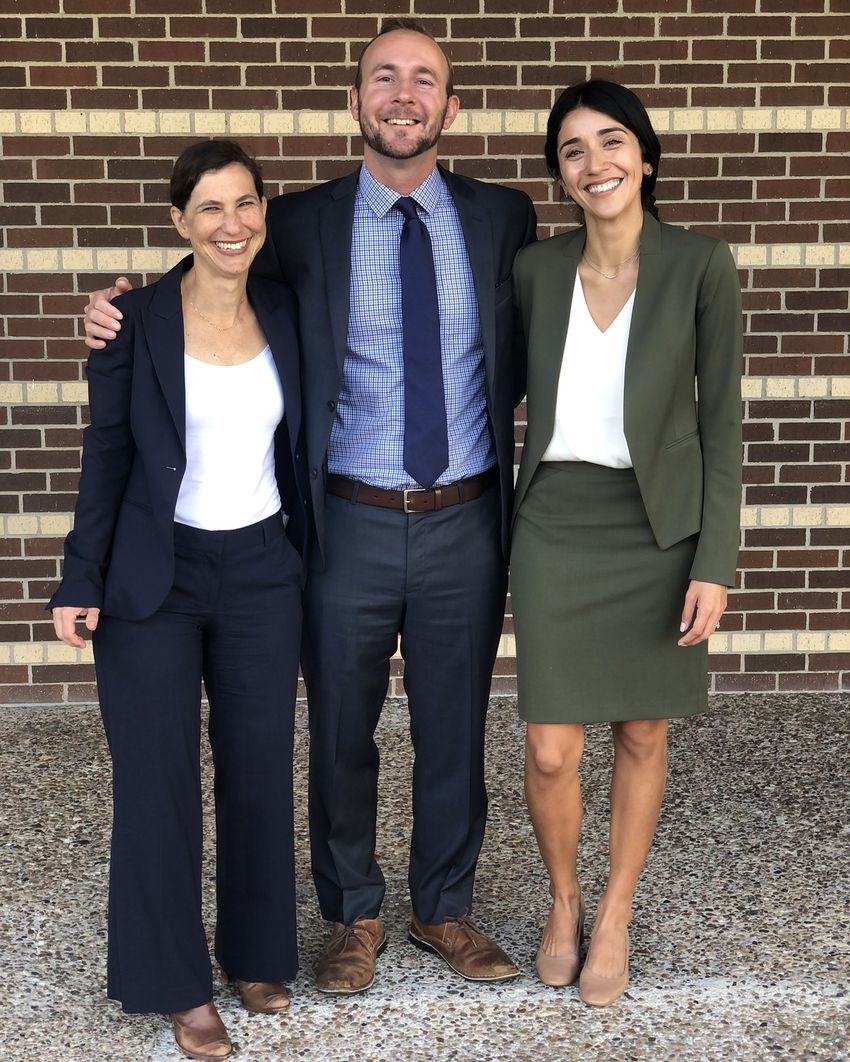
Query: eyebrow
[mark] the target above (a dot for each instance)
(599, 132)
(394, 67)
(217, 202)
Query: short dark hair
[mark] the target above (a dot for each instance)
(619, 103)
(205, 157)
(409, 25)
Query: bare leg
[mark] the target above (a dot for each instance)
(637, 788)
(552, 755)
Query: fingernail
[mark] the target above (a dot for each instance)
(682, 628)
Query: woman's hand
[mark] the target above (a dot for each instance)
(65, 622)
(705, 603)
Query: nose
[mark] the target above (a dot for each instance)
(595, 159)
(404, 90)
(230, 221)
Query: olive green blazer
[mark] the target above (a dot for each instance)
(682, 400)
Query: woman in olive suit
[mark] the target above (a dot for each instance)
(626, 520)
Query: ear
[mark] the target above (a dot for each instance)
(452, 107)
(179, 222)
(354, 103)
(264, 203)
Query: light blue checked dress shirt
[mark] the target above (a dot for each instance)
(367, 439)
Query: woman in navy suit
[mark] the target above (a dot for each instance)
(184, 564)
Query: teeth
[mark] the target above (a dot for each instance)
(230, 246)
(401, 121)
(607, 186)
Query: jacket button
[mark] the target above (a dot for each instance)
(297, 455)
(332, 405)
(314, 472)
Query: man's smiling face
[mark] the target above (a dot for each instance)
(402, 104)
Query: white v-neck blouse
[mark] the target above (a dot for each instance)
(589, 406)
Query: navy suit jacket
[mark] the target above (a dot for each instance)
(309, 246)
(120, 555)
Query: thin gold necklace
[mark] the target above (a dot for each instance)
(611, 276)
(218, 328)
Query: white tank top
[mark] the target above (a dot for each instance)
(589, 407)
(232, 412)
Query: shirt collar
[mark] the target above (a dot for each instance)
(381, 199)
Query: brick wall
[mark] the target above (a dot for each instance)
(750, 98)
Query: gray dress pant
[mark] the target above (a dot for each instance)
(438, 581)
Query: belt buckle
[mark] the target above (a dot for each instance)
(411, 490)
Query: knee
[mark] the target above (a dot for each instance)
(548, 757)
(642, 739)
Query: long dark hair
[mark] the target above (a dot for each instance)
(623, 106)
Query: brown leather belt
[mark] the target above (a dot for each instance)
(416, 500)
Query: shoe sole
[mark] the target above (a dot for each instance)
(353, 991)
(425, 946)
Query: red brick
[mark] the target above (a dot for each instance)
(779, 580)
(744, 683)
(793, 49)
(829, 662)
(32, 694)
(169, 7)
(774, 536)
(212, 27)
(774, 662)
(131, 28)
(175, 51)
(95, 52)
(60, 28)
(96, 7)
(15, 51)
(809, 681)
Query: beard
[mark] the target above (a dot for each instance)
(374, 136)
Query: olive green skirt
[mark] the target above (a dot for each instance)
(597, 604)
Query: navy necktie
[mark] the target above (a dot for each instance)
(426, 443)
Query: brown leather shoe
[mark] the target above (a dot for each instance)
(200, 1033)
(347, 964)
(462, 945)
(264, 997)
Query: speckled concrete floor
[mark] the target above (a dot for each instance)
(741, 942)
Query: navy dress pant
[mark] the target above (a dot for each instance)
(436, 581)
(233, 619)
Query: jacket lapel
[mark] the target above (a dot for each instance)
(553, 303)
(163, 325)
(641, 347)
(478, 237)
(284, 347)
(336, 222)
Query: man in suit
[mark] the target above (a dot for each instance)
(402, 273)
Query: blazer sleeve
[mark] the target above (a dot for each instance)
(106, 460)
(719, 364)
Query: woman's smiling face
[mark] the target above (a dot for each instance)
(224, 220)
(601, 165)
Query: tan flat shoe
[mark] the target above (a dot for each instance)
(560, 970)
(264, 997)
(200, 1034)
(598, 991)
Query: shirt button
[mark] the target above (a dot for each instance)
(331, 405)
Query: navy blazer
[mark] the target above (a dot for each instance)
(120, 555)
(309, 246)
